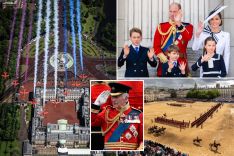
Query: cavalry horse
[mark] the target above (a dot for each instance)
(159, 131)
(214, 146)
(156, 130)
(197, 141)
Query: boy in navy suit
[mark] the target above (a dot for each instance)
(174, 67)
(136, 56)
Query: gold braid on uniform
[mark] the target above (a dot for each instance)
(115, 119)
(164, 33)
(171, 30)
(112, 121)
(109, 121)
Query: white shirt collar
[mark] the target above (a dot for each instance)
(175, 61)
(134, 46)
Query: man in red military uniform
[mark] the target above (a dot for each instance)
(122, 125)
(173, 32)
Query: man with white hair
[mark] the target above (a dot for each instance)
(122, 125)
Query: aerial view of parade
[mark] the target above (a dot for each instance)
(49, 51)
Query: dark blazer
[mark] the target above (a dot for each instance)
(175, 71)
(219, 69)
(136, 64)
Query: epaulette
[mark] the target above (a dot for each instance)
(170, 30)
(163, 23)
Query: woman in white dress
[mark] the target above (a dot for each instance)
(222, 38)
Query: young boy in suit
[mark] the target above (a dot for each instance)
(174, 67)
(136, 56)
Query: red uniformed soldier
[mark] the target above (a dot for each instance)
(173, 32)
(122, 125)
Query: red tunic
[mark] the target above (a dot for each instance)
(165, 36)
(131, 135)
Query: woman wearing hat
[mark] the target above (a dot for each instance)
(213, 29)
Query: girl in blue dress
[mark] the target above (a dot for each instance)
(212, 64)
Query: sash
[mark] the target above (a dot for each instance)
(170, 41)
(119, 130)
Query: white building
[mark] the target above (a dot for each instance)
(47, 137)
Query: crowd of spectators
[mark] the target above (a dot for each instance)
(157, 149)
(151, 149)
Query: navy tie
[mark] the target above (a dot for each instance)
(137, 49)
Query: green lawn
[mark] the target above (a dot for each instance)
(89, 25)
(41, 47)
(88, 49)
(8, 148)
(92, 51)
